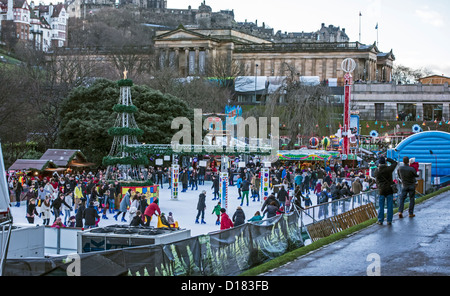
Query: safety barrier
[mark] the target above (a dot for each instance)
(342, 221)
(222, 253)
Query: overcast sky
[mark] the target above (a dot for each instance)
(416, 31)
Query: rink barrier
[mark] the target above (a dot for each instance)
(341, 222)
(222, 253)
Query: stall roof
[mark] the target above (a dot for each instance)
(63, 157)
(307, 155)
(32, 164)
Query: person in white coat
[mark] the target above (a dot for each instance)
(69, 200)
(45, 210)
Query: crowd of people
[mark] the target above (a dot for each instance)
(82, 199)
(290, 188)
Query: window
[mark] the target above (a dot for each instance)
(432, 112)
(406, 112)
(379, 111)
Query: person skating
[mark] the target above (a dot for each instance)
(271, 210)
(31, 211)
(257, 217)
(80, 213)
(57, 204)
(245, 186)
(151, 210)
(201, 206)
(238, 217)
(216, 211)
(46, 212)
(225, 221)
(90, 216)
(282, 196)
(137, 219)
(216, 187)
(124, 205)
(268, 201)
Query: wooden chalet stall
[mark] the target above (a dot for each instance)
(34, 166)
(69, 159)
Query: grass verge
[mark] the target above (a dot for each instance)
(290, 256)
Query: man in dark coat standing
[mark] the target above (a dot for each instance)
(90, 216)
(407, 175)
(282, 196)
(216, 186)
(383, 177)
(238, 217)
(201, 206)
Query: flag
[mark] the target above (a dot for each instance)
(376, 27)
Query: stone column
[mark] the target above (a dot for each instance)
(177, 60)
(196, 63)
(186, 53)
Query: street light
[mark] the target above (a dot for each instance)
(256, 78)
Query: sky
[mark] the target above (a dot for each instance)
(416, 31)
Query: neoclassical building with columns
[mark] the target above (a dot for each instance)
(195, 52)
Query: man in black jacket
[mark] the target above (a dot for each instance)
(383, 177)
(90, 216)
(201, 205)
(408, 177)
(216, 187)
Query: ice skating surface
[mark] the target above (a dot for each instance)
(184, 209)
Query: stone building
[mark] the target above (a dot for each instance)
(414, 102)
(194, 51)
(44, 25)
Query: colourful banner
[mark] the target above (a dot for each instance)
(223, 192)
(265, 184)
(175, 181)
(150, 192)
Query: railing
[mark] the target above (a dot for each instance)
(299, 46)
(323, 211)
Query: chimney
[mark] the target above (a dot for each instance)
(9, 12)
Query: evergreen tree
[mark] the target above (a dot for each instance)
(87, 115)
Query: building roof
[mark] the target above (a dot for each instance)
(32, 164)
(435, 79)
(63, 157)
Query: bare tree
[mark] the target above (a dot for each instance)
(405, 75)
(302, 109)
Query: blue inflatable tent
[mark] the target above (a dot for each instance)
(427, 147)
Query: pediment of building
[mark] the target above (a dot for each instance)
(181, 34)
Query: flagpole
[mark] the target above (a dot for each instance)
(378, 44)
(360, 26)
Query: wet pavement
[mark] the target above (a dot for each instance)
(418, 246)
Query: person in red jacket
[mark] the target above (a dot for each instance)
(151, 210)
(414, 164)
(225, 221)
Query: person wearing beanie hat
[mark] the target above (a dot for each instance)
(383, 178)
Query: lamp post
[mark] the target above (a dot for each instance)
(436, 182)
(348, 65)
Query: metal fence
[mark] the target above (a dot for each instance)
(60, 241)
(323, 211)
